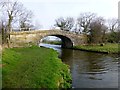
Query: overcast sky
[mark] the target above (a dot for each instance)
(46, 11)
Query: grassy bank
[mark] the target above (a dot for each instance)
(34, 67)
(107, 48)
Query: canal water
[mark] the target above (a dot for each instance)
(88, 69)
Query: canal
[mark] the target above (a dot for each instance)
(88, 69)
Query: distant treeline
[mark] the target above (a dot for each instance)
(96, 28)
(52, 42)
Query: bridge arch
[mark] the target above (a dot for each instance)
(69, 39)
(66, 41)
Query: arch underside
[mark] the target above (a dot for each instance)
(66, 42)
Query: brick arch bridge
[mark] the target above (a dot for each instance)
(69, 39)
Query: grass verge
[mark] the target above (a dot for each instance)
(34, 67)
(107, 48)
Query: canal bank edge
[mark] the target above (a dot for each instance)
(107, 49)
(53, 72)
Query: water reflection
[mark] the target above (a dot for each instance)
(94, 70)
(90, 70)
(89, 60)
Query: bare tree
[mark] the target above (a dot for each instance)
(65, 24)
(25, 20)
(11, 10)
(84, 21)
(3, 28)
(113, 24)
(15, 13)
(113, 35)
(69, 23)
